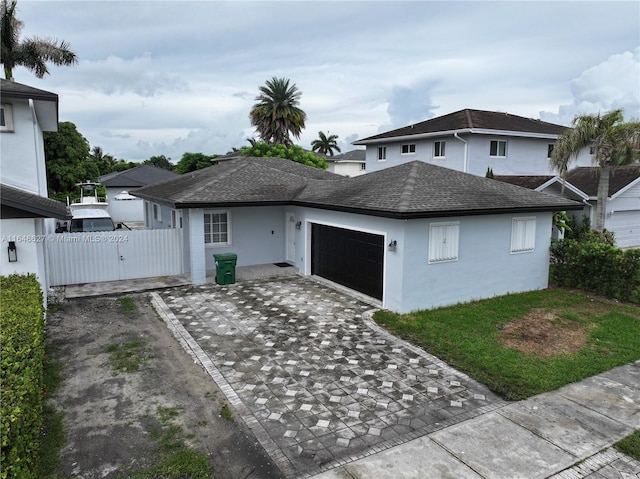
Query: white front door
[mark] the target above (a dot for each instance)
(291, 237)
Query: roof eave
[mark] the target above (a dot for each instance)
(476, 131)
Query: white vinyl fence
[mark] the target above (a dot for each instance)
(76, 258)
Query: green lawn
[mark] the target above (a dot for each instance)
(470, 337)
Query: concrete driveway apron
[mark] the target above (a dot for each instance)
(318, 383)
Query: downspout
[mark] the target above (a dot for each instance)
(34, 119)
(466, 160)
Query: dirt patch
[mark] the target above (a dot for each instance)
(545, 334)
(110, 412)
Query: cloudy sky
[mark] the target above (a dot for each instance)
(169, 77)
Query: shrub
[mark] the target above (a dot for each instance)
(21, 360)
(598, 267)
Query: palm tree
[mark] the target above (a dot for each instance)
(277, 113)
(613, 142)
(32, 53)
(325, 144)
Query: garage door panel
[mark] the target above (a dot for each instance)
(351, 258)
(626, 226)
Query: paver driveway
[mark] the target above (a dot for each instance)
(318, 383)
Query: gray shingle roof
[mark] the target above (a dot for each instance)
(135, 177)
(472, 120)
(11, 89)
(586, 178)
(353, 155)
(526, 181)
(30, 204)
(410, 190)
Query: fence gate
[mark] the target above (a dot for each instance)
(76, 258)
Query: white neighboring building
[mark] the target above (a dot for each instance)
(351, 163)
(26, 113)
(126, 208)
(470, 141)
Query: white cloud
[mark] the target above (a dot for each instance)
(614, 83)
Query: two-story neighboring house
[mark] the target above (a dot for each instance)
(471, 141)
(25, 114)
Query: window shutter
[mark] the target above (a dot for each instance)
(443, 242)
(523, 235)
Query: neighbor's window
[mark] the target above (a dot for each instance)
(443, 242)
(363, 167)
(550, 150)
(217, 230)
(523, 234)
(6, 117)
(157, 212)
(498, 148)
(382, 153)
(408, 149)
(438, 149)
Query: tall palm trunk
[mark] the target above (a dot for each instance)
(603, 195)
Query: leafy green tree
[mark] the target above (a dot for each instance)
(31, 53)
(325, 144)
(105, 162)
(160, 162)
(613, 141)
(67, 160)
(294, 153)
(276, 113)
(193, 161)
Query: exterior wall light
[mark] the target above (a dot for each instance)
(13, 252)
(393, 245)
(298, 225)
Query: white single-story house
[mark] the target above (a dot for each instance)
(126, 208)
(413, 236)
(26, 112)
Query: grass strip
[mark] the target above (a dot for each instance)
(470, 337)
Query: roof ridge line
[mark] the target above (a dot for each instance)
(410, 183)
(467, 112)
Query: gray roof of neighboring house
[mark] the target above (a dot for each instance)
(468, 119)
(353, 155)
(586, 178)
(45, 102)
(17, 203)
(526, 181)
(411, 190)
(135, 177)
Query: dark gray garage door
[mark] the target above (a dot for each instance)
(351, 258)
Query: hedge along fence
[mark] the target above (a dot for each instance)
(21, 359)
(597, 267)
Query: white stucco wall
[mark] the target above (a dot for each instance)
(30, 237)
(346, 168)
(22, 152)
(525, 156)
(485, 266)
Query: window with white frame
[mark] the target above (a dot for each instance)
(408, 149)
(382, 153)
(157, 212)
(6, 117)
(438, 149)
(498, 148)
(217, 228)
(523, 234)
(550, 147)
(443, 242)
(363, 167)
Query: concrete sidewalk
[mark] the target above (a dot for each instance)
(563, 434)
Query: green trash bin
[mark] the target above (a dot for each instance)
(225, 267)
